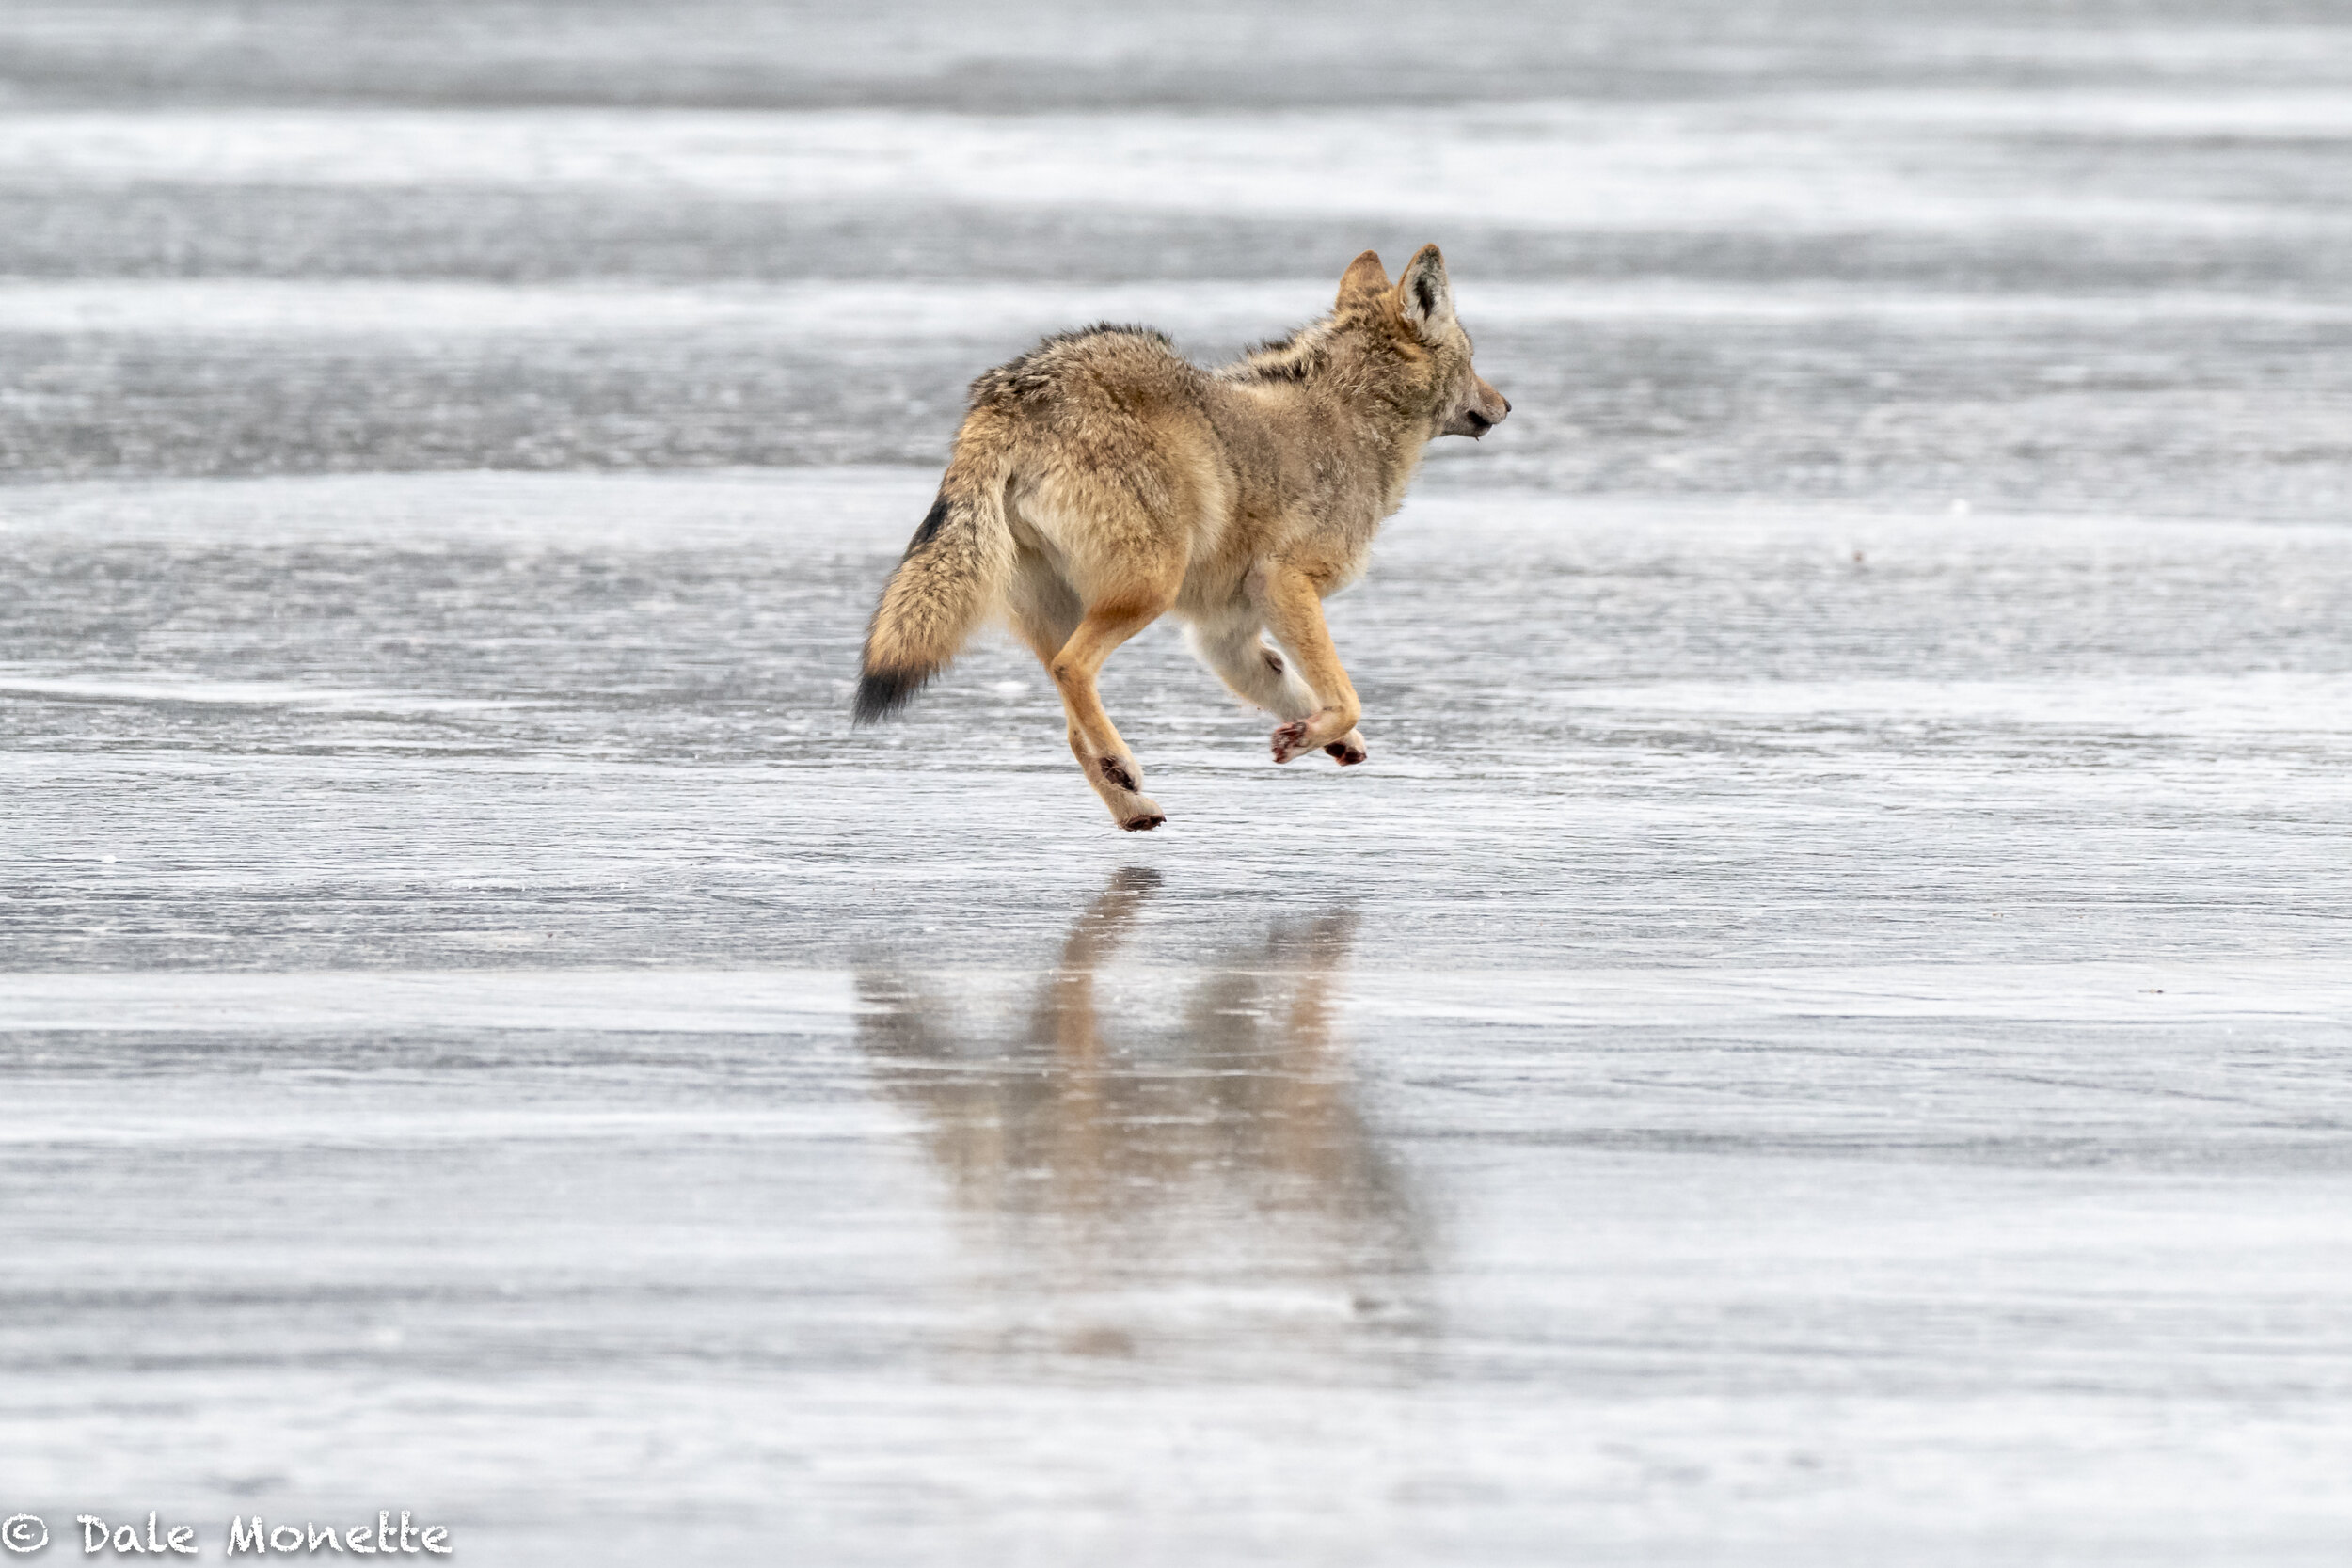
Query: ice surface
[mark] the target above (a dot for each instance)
(845, 313)
(1817, 1038)
(1820, 1055)
(1795, 162)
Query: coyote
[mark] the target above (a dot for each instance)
(1100, 482)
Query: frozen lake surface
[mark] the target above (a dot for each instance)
(1819, 1037)
(1818, 1033)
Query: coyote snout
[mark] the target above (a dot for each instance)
(1101, 482)
(1478, 413)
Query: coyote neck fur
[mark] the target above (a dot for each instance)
(1348, 402)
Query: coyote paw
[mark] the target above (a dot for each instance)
(1349, 749)
(1145, 823)
(1314, 732)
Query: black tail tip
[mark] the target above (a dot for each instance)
(883, 692)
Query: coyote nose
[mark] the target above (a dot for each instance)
(1506, 406)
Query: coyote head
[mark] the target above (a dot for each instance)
(1414, 320)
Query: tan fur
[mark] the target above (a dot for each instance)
(1101, 482)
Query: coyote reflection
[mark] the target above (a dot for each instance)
(1214, 1147)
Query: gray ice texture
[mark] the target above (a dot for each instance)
(1818, 1038)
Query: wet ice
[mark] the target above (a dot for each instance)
(1815, 1039)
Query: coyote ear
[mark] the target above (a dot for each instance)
(1365, 278)
(1423, 295)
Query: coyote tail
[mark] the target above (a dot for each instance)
(952, 575)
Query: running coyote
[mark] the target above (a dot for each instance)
(1100, 482)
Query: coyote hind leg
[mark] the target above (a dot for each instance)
(1046, 615)
(1044, 609)
(1259, 675)
(1109, 766)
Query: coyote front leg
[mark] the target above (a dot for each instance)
(1260, 677)
(1293, 609)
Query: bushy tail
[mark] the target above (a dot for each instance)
(951, 576)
